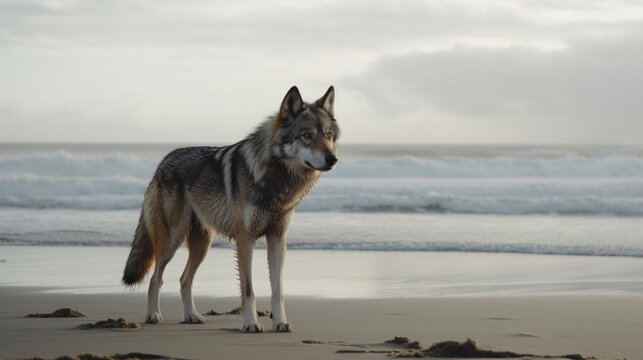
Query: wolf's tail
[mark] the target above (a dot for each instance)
(140, 257)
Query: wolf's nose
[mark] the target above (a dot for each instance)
(331, 159)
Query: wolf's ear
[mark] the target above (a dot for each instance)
(292, 105)
(327, 101)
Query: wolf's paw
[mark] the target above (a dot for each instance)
(283, 327)
(153, 318)
(193, 319)
(252, 328)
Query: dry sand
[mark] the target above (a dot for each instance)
(607, 327)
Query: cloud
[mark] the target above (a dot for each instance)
(588, 92)
(290, 26)
(437, 67)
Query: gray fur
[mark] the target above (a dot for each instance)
(242, 192)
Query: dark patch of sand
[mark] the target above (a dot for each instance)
(317, 342)
(313, 342)
(466, 349)
(120, 323)
(399, 340)
(62, 312)
(524, 335)
(403, 340)
(236, 311)
(450, 349)
(130, 356)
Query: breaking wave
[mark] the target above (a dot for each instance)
(599, 165)
(601, 183)
(615, 196)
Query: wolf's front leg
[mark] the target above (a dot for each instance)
(248, 305)
(276, 257)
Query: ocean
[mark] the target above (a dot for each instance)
(568, 200)
(388, 221)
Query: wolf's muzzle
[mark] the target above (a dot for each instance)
(331, 159)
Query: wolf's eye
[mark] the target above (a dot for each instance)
(306, 135)
(329, 135)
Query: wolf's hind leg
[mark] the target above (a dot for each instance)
(153, 315)
(198, 240)
(167, 244)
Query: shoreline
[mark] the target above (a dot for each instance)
(607, 326)
(335, 273)
(546, 234)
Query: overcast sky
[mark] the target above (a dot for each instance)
(541, 71)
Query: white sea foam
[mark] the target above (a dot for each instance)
(606, 165)
(65, 164)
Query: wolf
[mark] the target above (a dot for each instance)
(241, 192)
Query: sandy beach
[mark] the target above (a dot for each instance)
(607, 327)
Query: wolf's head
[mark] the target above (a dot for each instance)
(307, 132)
